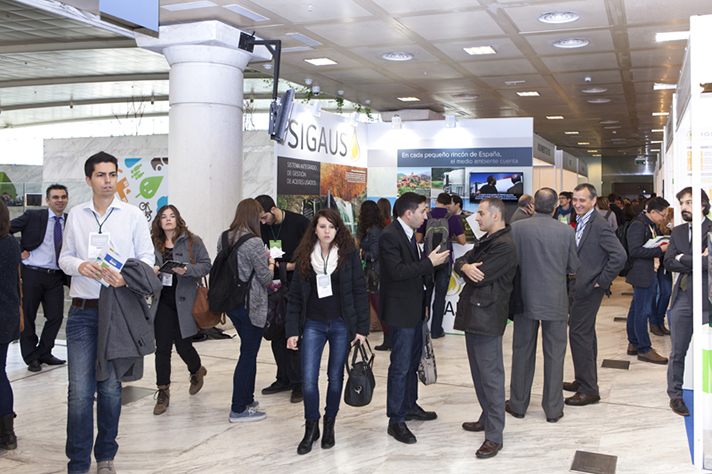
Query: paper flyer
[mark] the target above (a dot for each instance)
(110, 259)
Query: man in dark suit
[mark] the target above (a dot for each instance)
(547, 254)
(642, 276)
(403, 306)
(678, 258)
(602, 257)
(42, 280)
(525, 209)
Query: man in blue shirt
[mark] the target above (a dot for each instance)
(442, 274)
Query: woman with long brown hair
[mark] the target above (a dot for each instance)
(9, 322)
(327, 302)
(174, 323)
(250, 318)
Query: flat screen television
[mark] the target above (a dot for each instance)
(505, 186)
(279, 112)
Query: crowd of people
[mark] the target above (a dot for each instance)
(399, 264)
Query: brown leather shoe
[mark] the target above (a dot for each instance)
(196, 380)
(572, 386)
(473, 426)
(632, 350)
(656, 330)
(509, 410)
(488, 449)
(581, 399)
(653, 357)
(665, 330)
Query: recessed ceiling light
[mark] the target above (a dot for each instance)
(466, 96)
(596, 155)
(655, 141)
(558, 17)
(297, 49)
(568, 43)
(177, 7)
(303, 39)
(592, 151)
(658, 86)
(397, 56)
(660, 114)
(608, 122)
(672, 36)
(408, 99)
(246, 13)
(555, 117)
(619, 139)
(657, 130)
(476, 50)
(571, 133)
(612, 127)
(599, 101)
(512, 83)
(583, 143)
(594, 90)
(320, 61)
(528, 94)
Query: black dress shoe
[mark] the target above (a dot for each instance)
(488, 449)
(473, 426)
(556, 418)
(572, 386)
(509, 410)
(297, 395)
(656, 330)
(678, 406)
(52, 360)
(276, 387)
(442, 334)
(580, 399)
(401, 433)
(34, 366)
(417, 413)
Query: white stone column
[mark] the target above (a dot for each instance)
(205, 121)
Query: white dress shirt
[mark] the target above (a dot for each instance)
(44, 255)
(129, 238)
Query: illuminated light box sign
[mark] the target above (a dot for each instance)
(446, 157)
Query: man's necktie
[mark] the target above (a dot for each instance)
(57, 237)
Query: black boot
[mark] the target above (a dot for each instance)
(311, 434)
(386, 346)
(327, 441)
(8, 440)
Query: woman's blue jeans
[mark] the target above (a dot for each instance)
(314, 337)
(243, 380)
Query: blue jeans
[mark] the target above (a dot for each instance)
(6, 399)
(243, 380)
(641, 309)
(82, 325)
(314, 337)
(660, 303)
(441, 279)
(406, 349)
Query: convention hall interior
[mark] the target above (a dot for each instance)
(596, 83)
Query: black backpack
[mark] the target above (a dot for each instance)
(622, 234)
(227, 292)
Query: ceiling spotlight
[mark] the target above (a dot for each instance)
(599, 101)
(340, 92)
(397, 56)
(592, 151)
(316, 90)
(663, 87)
(450, 121)
(408, 99)
(583, 143)
(657, 130)
(555, 117)
(655, 141)
(571, 133)
(396, 122)
(267, 66)
(528, 94)
(558, 17)
(569, 43)
(320, 61)
(672, 36)
(660, 114)
(308, 81)
(477, 50)
(594, 90)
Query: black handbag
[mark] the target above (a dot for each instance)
(277, 309)
(361, 382)
(371, 277)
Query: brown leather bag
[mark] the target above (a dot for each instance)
(204, 318)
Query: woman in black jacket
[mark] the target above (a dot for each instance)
(327, 302)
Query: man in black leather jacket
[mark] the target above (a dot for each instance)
(482, 311)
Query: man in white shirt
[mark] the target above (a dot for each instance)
(91, 228)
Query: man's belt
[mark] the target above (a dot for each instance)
(40, 269)
(82, 303)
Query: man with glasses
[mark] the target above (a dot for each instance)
(642, 276)
(284, 230)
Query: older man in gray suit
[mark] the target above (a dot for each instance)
(602, 257)
(547, 254)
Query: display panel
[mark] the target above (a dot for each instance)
(505, 186)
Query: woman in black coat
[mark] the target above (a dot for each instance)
(9, 322)
(327, 302)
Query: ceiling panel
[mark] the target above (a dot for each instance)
(372, 54)
(656, 74)
(513, 67)
(430, 71)
(581, 62)
(659, 57)
(659, 11)
(462, 25)
(357, 76)
(593, 14)
(359, 33)
(543, 44)
(304, 11)
(504, 47)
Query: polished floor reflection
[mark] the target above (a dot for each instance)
(632, 421)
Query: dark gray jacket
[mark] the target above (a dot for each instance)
(642, 270)
(125, 332)
(483, 306)
(186, 287)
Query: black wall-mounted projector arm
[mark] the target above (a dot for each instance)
(248, 42)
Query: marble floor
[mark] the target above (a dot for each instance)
(632, 421)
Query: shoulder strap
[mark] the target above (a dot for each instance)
(225, 241)
(243, 239)
(608, 214)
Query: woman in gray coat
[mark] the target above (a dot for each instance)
(174, 323)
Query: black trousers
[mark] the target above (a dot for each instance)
(289, 363)
(48, 289)
(167, 331)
